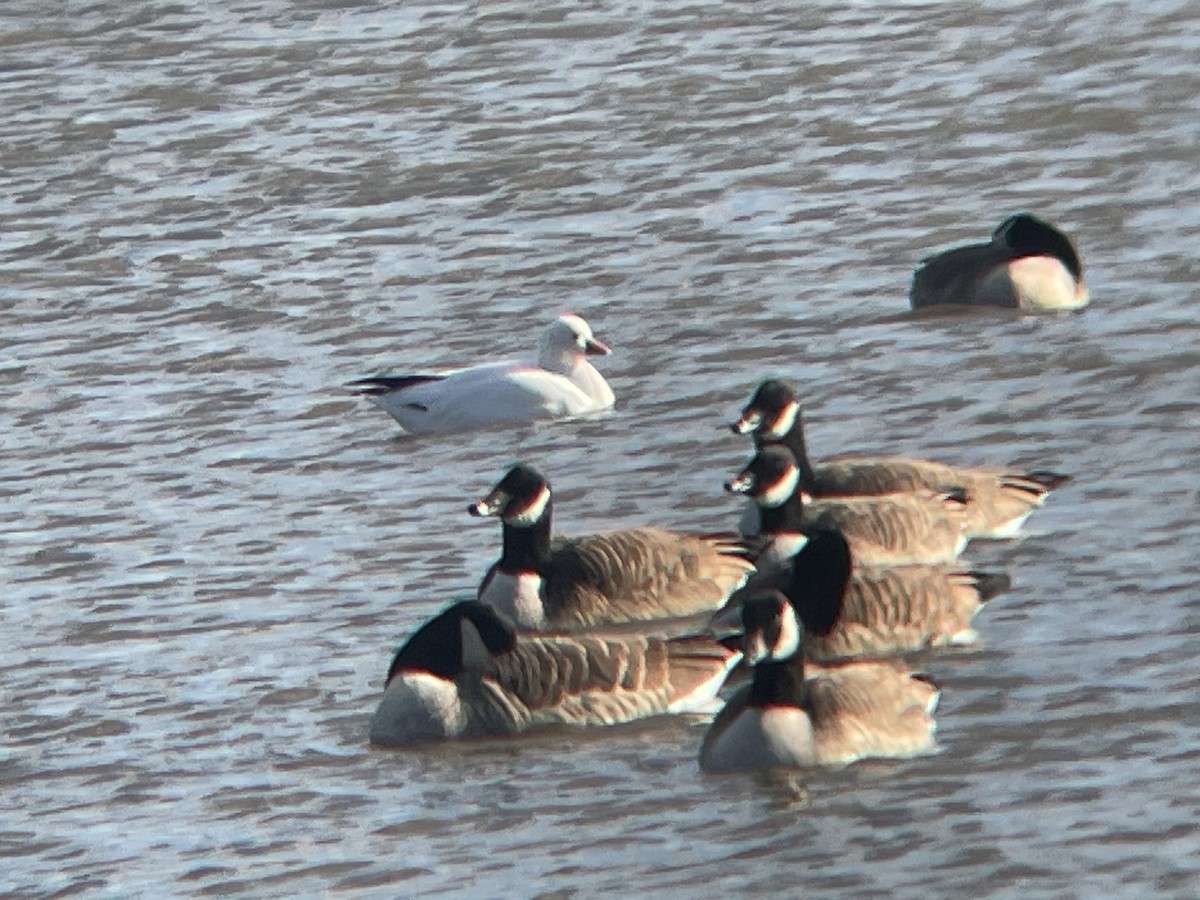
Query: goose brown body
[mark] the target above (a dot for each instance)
(477, 685)
(628, 575)
(860, 611)
(895, 529)
(640, 574)
(904, 609)
(889, 529)
(786, 717)
(998, 500)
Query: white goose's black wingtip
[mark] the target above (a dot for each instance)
(378, 385)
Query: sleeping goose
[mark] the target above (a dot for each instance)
(998, 500)
(786, 719)
(629, 575)
(855, 610)
(560, 382)
(467, 673)
(886, 529)
(1028, 264)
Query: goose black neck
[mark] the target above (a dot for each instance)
(778, 683)
(526, 548)
(794, 441)
(788, 517)
(820, 574)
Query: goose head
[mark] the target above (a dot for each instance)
(771, 411)
(772, 631)
(770, 478)
(521, 498)
(565, 342)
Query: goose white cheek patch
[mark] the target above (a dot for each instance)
(781, 491)
(530, 513)
(748, 422)
(783, 422)
(489, 505)
(789, 634)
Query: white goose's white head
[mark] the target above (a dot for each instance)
(565, 342)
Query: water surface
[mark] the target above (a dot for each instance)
(213, 218)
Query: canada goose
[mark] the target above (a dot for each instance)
(786, 719)
(998, 500)
(852, 610)
(468, 673)
(561, 382)
(887, 529)
(629, 575)
(1028, 264)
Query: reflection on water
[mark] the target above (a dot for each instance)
(213, 219)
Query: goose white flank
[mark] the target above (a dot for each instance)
(560, 382)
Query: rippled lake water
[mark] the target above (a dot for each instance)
(213, 217)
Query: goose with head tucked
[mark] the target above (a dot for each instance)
(613, 577)
(467, 673)
(559, 383)
(998, 500)
(854, 610)
(885, 529)
(1028, 264)
(788, 718)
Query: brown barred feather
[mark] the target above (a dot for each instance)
(640, 574)
(894, 529)
(995, 496)
(902, 609)
(591, 679)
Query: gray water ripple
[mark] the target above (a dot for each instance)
(213, 221)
